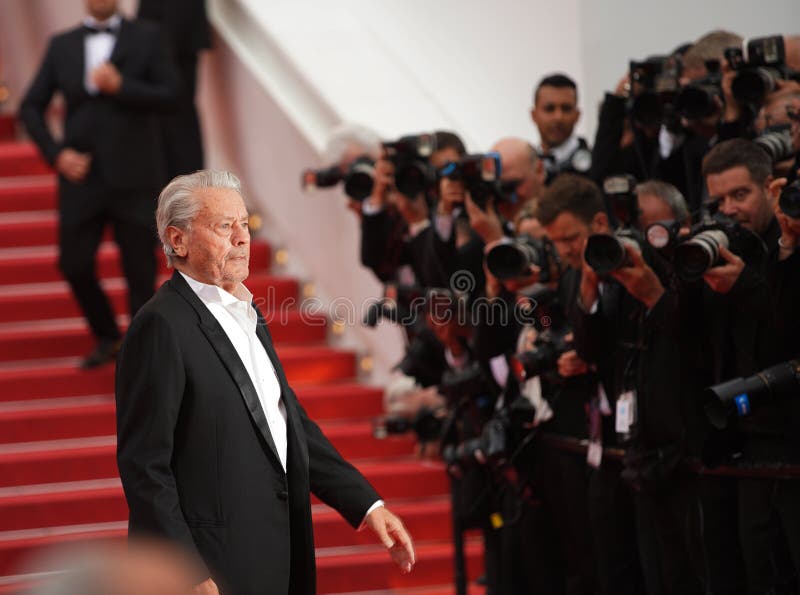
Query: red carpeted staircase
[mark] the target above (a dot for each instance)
(58, 476)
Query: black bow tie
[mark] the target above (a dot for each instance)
(91, 29)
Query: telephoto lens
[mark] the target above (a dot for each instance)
(751, 86)
(777, 142)
(699, 253)
(790, 200)
(512, 258)
(740, 395)
(606, 252)
(360, 179)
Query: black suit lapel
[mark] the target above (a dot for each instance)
(77, 60)
(227, 353)
(121, 46)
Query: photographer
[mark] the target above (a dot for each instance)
(395, 227)
(570, 210)
(739, 177)
(555, 113)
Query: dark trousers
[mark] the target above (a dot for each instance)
(668, 527)
(80, 236)
(769, 524)
(611, 510)
(720, 535)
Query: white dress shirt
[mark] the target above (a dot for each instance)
(98, 48)
(238, 318)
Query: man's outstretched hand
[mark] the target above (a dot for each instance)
(393, 536)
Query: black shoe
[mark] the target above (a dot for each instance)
(105, 352)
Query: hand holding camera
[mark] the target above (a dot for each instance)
(722, 278)
(639, 279)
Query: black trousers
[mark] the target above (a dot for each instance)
(611, 510)
(720, 535)
(668, 527)
(84, 218)
(769, 524)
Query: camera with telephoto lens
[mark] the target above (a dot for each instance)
(621, 201)
(426, 424)
(480, 174)
(655, 84)
(777, 142)
(512, 258)
(413, 174)
(607, 252)
(359, 178)
(698, 252)
(759, 66)
(500, 437)
(738, 397)
(469, 384)
(550, 344)
(789, 200)
(698, 99)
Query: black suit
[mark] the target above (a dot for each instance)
(186, 28)
(198, 463)
(121, 134)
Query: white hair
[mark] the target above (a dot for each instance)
(178, 204)
(345, 136)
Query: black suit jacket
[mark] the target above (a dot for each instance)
(120, 132)
(184, 21)
(197, 461)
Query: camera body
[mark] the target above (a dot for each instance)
(359, 178)
(410, 155)
(699, 99)
(549, 345)
(789, 200)
(480, 174)
(655, 82)
(759, 67)
(607, 252)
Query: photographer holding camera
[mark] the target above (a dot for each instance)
(739, 178)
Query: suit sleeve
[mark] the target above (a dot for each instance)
(34, 105)
(158, 88)
(333, 480)
(150, 383)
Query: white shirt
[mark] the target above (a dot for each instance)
(238, 319)
(97, 48)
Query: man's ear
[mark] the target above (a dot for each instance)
(600, 223)
(177, 238)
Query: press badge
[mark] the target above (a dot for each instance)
(594, 454)
(626, 404)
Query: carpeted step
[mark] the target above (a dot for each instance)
(94, 458)
(8, 127)
(21, 159)
(70, 337)
(34, 193)
(44, 301)
(66, 418)
(32, 228)
(39, 379)
(102, 501)
(40, 264)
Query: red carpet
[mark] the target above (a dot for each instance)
(58, 481)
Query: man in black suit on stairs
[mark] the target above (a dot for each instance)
(114, 75)
(214, 450)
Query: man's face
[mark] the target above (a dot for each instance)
(555, 114)
(741, 198)
(652, 209)
(569, 234)
(101, 9)
(218, 243)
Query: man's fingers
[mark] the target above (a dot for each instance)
(729, 256)
(776, 186)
